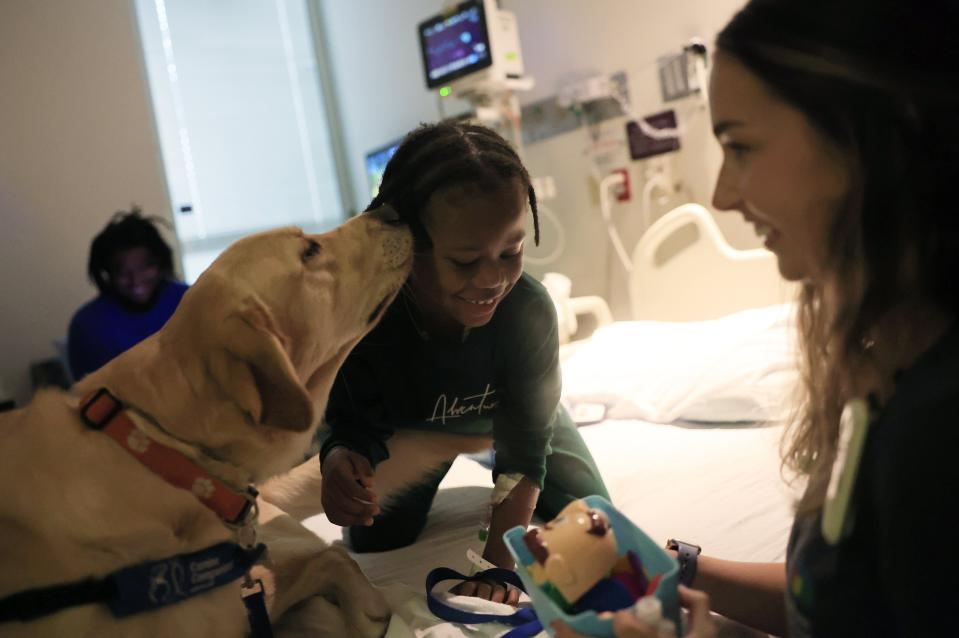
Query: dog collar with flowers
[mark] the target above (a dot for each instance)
(102, 411)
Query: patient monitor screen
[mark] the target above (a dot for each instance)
(455, 44)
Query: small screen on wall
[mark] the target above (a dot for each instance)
(644, 144)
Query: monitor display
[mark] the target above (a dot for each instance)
(376, 163)
(455, 44)
(642, 146)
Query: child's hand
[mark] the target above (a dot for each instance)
(347, 494)
(626, 625)
(488, 590)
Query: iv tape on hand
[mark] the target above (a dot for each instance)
(504, 485)
(501, 491)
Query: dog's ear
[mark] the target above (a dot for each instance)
(252, 367)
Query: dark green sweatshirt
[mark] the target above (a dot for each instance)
(503, 379)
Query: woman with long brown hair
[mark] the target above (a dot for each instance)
(839, 123)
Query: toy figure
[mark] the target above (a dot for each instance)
(577, 562)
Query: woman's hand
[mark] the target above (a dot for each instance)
(347, 493)
(488, 590)
(626, 625)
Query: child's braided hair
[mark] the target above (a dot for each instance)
(434, 157)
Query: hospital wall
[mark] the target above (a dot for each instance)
(76, 144)
(381, 94)
(78, 137)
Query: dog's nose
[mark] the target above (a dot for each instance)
(387, 214)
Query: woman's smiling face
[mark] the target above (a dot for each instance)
(781, 173)
(477, 253)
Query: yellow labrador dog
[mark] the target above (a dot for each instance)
(236, 383)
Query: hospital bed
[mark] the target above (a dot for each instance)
(689, 398)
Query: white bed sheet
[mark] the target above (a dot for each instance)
(739, 368)
(720, 487)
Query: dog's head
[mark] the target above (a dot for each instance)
(265, 329)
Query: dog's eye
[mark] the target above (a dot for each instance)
(312, 249)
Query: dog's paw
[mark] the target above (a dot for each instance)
(364, 606)
(370, 627)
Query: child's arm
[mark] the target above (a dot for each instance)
(516, 509)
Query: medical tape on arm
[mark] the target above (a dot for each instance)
(501, 490)
(504, 485)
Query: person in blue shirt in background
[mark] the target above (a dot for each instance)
(132, 267)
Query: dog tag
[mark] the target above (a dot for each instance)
(837, 514)
(246, 535)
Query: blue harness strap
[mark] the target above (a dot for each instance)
(138, 588)
(524, 620)
(164, 582)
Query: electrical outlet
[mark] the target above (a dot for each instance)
(623, 192)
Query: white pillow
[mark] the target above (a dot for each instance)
(739, 368)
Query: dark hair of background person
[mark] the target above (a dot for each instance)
(127, 229)
(434, 157)
(878, 79)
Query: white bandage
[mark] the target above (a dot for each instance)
(504, 485)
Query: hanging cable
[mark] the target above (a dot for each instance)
(547, 214)
(605, 206)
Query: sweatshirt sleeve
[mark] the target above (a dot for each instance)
(530, 384)
(355, 412)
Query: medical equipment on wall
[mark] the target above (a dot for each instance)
(471, 50)
(680, 76)
(647, 137)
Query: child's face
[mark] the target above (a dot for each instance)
(477, 253)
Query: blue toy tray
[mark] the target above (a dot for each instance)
(628, 537)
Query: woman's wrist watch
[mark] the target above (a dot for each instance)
(687, 555)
